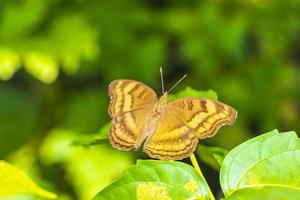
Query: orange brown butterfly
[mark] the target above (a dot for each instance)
(171, 130)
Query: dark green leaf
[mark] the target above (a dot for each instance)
(212, 156)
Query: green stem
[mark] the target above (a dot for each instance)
(197, 168)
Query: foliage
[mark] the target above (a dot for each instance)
(47, 49)
(150, 179)
(265, 167)
(58, 57)
(212, 156)
(88, 175)
(14, 181)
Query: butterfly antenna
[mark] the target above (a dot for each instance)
(162, 81)
(183, 77)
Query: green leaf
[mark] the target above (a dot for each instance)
(41, 66)
(9, 63)
(212, 156)
(94, 139)
(190, 92)
(152, 179)
(265, 167)
(13, 181)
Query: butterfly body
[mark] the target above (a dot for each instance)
(162, 102)
(171, 130)
(156, 114)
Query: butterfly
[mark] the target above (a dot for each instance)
(171, 130)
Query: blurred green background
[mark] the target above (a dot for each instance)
(57, 58)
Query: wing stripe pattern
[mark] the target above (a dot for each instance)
(178, 153)
(127, 95)
(126, 131)
(207, 117)
(123, 97)
(121, 134)
(171, 141)
(130, 107)
(209, 126)
(183, 122)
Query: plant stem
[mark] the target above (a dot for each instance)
(197, 168)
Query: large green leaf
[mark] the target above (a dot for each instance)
(150, 179)
(266, 167)
(13, 181)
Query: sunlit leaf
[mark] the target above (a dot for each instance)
(152, 179)
(44, 53)
(265, 167)
(41, 66)
(14, 181)
(9, 63)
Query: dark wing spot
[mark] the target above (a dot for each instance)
(203, 105)
(190, 105)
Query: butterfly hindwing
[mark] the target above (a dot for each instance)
(203, 116)
(127, 131)
(129, 95)
(172, 140)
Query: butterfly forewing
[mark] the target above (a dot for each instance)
(203, 116)
(129, 95)
(130, 107)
